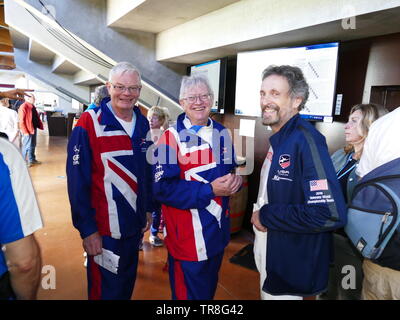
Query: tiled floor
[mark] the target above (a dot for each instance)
(62, 247)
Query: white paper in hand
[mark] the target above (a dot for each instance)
(108, 260)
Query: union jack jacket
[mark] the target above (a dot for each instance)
(187, 161)
(109, 179)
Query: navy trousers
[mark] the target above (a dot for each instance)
(194, 280)
(106, 285)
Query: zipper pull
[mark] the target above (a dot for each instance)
(385, 216)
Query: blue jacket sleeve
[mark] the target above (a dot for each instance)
(322, 209)
(79, 158)
(170, 189)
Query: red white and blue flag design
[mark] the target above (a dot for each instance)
(197, 224)
(284, 161)
(318, 185)
(105, 167)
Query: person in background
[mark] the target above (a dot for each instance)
(109, 185)
(16, 94)
(9, 122)
(100, 93)
(16, 97)
(20, 259)
(15, 104)
(381, 146)
(29, 122)
(345, 161)
(158, 118)
(193, 180)
(301, 203)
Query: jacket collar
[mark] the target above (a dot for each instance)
(108, 118)
(278, 137)
(183, 122)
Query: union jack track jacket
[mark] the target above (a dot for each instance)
(196, 221)
(109, 179)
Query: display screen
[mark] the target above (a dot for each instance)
(215, 71)
(318, 63)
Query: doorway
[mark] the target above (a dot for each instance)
(387, 96)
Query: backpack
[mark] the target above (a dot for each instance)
(374, 215)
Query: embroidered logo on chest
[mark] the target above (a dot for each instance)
(284, 161)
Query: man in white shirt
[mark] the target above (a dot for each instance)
(381, 146)
(9, 122)
(20, 258)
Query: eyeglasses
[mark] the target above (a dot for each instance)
(134, 89)
(202, 97)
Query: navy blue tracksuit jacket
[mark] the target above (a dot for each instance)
(305, 204)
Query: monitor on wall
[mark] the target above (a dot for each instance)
(216, 73)
(319, 66)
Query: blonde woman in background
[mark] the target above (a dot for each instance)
(345, 161)
(159, 121)
(158, 118)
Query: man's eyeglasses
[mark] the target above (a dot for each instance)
(202, 97)
(134, 89)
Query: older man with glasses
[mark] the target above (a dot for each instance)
(193, 180)
(109, 185)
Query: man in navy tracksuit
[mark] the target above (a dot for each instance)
(303, 202)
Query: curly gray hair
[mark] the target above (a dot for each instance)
(298, 85)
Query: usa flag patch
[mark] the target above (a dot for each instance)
(318, 185)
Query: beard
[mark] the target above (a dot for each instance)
(273, 119)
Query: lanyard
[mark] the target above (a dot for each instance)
(339, 174)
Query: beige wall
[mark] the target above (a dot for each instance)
(253, 19)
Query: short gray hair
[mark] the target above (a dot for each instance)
(100, 93)
(124, 67)
(192, 81)
(298, 86)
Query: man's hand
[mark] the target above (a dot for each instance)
(226, 185)
(93, 244)
(255, 219)
(16, 94)
(236, 183)
(149, 219)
